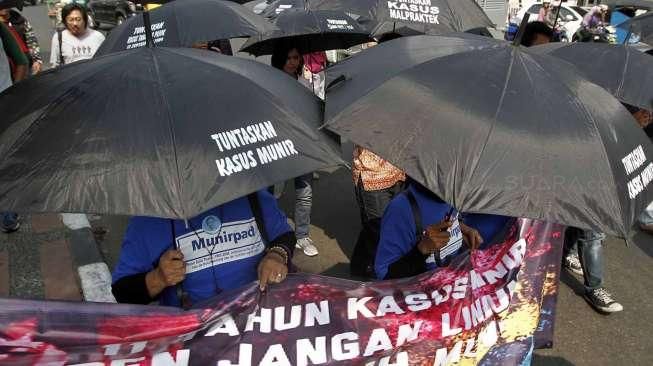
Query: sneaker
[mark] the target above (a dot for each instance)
(306, 244)
(10, 223)
(572, 263)
(602, 301)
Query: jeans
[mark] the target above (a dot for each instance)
(590, 252)
(372, 204)
(303, 204)
(9, 221)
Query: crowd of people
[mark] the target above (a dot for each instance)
(405, 228)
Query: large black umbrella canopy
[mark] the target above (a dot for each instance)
(155, 131)
(183, 23)
(624, 71)
(437, 17)
(493, 128)
(400, 16)
(311, 31)
(641, 26)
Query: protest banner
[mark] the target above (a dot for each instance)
(490, 307)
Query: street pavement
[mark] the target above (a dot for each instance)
(41, 262)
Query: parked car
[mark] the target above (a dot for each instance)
(111, 12)
(571, 16)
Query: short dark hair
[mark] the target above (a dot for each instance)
(280, 56)
(69, 8)
(533, 29)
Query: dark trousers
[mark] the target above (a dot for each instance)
(372, 204)
(590, 252)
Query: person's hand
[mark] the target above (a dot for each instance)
(271, 269)
(643, 117)
(36, 67)
(471, 236)
(171, 269)
(437, 236)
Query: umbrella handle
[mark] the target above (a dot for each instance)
(148, 28)
(555, 22)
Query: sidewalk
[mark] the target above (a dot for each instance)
(36, 261)
(49, 259)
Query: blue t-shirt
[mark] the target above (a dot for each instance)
(616, 19)
(398, 236)
(222, 247)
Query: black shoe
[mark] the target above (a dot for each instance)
(602, 301)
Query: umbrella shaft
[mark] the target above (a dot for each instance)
(148, 28)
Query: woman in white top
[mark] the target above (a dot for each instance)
(76, 42)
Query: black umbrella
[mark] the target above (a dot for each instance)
(311, 30)
(436, 17)
(493, 128)
(641, 26)
(624, 71)
(8, 4)
(155, 131)
(404, 17)
(183, 23)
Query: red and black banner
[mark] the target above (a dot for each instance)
(492, 307)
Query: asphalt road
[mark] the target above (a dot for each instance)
(582, 336)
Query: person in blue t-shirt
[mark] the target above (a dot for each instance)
(619, 16)
(221, 249)
(406, 250)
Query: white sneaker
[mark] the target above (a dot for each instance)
(306, 244)
(572, 263)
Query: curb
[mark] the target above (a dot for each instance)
(93, 272)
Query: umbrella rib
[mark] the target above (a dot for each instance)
(624, 71)
(496, 113)
(53, 102)
(157, 71)
(605, 152)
